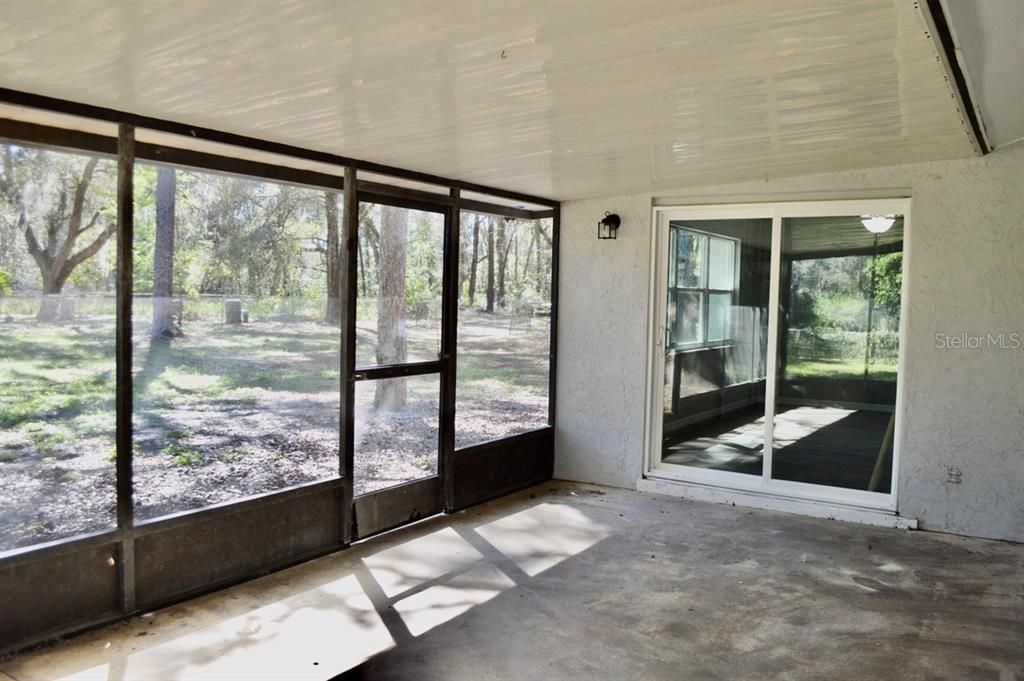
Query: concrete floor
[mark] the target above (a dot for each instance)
(574, 581)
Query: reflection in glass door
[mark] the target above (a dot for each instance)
(838, 350)
(716, 344)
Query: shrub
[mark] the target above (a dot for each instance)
(182, 455)
(6, 282)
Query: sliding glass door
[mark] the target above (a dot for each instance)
(716, 335)
(777, 342)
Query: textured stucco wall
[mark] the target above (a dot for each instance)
(965, 408)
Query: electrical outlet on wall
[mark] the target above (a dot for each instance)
(954, 475)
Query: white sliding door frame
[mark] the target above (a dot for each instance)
(657, 306)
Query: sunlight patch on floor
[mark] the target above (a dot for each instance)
(294, 638)
(799, 423)
(543, 536)
(322, 632)
(441, 603)
(412, 563)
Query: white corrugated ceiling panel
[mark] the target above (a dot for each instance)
(559, 99)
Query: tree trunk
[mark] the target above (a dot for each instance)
(49, 304)
(475, 260)
(163, 254)
(391, 394)
(362, 264)
(538, 261)
(55, 274)
(370, 238)
(529, 255)
(334, 291)
(515, 256)
(490, 265)
(502, 250)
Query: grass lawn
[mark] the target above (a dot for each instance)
(843, 369)
(230, 411)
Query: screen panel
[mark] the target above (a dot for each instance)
(236, 335)
(504, 327)
(58, 245)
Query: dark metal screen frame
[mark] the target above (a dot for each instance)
(465, 476)
(421, 497)
(123, 351)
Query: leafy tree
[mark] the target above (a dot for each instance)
(513, 262)
(888, 271)
(423, 266)
(6, 283)
(56, 194)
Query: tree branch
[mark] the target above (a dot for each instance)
(30, 237)
(540, 230)
(78, 204)
(54, 220)
(93, 248)
(92, 222)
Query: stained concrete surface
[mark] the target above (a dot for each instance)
(575, 581)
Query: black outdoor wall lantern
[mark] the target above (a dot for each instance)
(608, 227)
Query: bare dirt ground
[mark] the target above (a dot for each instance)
(228, 412)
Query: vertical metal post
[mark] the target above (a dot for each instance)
(123, 350)
(349, 265)
(449, 349)
(556, 226)
(772, 371)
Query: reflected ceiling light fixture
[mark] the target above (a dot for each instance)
(878, 224)
(608, 227)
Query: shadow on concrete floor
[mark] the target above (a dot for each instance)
(575, 581)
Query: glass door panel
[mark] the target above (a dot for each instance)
(838, 349)
(716, 325)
